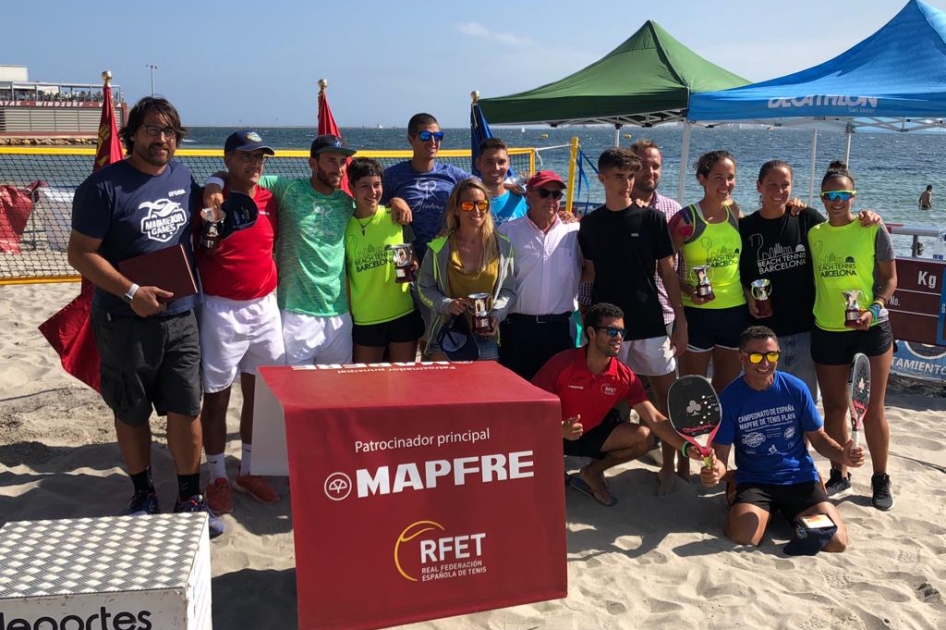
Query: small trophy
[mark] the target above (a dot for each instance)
(210, 231)
(761, 290)
(703, 287)
(852, 312)
(481, 323)
(403, 257)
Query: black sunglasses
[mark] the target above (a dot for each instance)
(545, 193)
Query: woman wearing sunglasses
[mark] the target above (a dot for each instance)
(854, 266)
(471, 257)
(706, 235)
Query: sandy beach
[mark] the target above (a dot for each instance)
(648, 562)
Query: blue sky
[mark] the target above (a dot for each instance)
(258, 63)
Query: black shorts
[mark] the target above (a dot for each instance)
(401, 330)
(711, 327)
(791, 500)
(590, 443)
(839, 348)
(149, 362)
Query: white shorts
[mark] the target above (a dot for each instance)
(238, 336)
(312, 340)
(648, 357)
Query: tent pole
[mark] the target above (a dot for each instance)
(573, 147)
(617, 135)
(811, 180)
(848, 134)
(684, 156)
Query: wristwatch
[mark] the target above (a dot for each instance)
(128, 297)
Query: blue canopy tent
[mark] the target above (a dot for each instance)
(893, 80)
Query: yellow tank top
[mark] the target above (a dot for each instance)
(843, 260)
(716, 246)
(462, 283)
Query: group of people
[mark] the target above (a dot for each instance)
(317, 278)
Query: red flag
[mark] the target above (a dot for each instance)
(69, 331)
(327, 125)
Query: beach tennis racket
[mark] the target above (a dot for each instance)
(860, 394)
(694, 412)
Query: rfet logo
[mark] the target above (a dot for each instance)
(163, 220)
(608, 389)
(425, 552)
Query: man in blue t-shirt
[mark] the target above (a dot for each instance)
(146, 336)
(767, 415)
(492, 162)
(422, 182)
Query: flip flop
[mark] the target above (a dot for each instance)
(582, 486)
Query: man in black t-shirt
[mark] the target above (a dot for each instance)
(623, 245)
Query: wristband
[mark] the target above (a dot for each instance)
(130, 295)
(875, 311)
(213, 179)
(684, 449)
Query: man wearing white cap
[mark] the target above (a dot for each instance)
(548, 268)
(240, 326)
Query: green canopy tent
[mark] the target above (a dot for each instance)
(645, 81)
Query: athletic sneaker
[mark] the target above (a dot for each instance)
(143, 503)
(838, 486)
(218, 497)
(197, 504)
(882, 499)
(257, 487)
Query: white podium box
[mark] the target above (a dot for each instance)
(112, 573)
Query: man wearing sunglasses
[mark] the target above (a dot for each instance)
(423, 182)
(148, 341)
(590, 382)
(767, 414)
(548, 268)
(625, 246)
(240, 325)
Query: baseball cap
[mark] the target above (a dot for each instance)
(808, 542)
(542, 178)
(456, 341)
(327, 143)
(246, 140)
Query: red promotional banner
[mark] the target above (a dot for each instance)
(420, 491)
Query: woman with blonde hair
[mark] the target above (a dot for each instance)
(470, 257)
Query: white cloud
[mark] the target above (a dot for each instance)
(475, 29)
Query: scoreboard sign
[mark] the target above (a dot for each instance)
(917, 307)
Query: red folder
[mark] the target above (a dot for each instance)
(166, 269)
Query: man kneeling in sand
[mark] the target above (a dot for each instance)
(767, 415)
(590, 382)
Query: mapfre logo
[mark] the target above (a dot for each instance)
(164, 219)
(337, 486)
(425, 552)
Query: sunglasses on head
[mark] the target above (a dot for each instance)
(468, 206)
(838, 195)
(756, 357)
(613, 331)
(425, 136)
(545, 193)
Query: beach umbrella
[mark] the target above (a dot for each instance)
(69, 331)
(327, 124)
(479, 131)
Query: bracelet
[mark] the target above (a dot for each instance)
(213, 179)
(875, 309)
(684, 448)
(130, 295)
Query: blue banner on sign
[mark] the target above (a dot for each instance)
(942, 312)
(920, 361)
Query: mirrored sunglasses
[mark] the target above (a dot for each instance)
(838, 195)
(613, 331)
(756, 357)
(468, 206)
(425, 136)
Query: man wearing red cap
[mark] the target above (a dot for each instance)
(548, 268)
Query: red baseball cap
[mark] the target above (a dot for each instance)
(542, 178)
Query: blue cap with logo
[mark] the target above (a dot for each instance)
(246, 140)
(329, 143)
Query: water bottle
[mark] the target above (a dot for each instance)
(939, 246)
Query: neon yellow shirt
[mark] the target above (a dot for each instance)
(717, 246)
(843, 260)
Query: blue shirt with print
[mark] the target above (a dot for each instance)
(508, 206)
(766, 429)
(426, 194)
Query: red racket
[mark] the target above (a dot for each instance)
(860, 395)
(695, 412)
